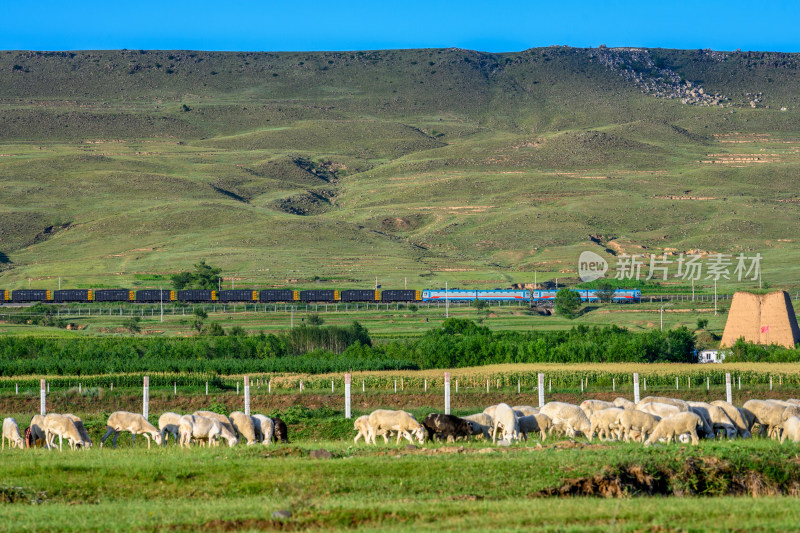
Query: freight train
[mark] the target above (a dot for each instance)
(307, 296)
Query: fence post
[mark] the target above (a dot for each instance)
(708, 383)
(269, 386)
(645, 384)
(347, 396)
(614, 384)
(206, 388)
(635, 387)
(549, 385)
(16, 388)
(447, 393)
(541, 389)
(676, 383)
(237, 388)
(518, 386)
(770, 383)
(487, 385)
(301, 385)
(395, 386)
(581, 385)
(426, 385)
(80, 388)
(112, 385)
(728, 392)
(42, 398)
(456, 386)
(363, 387)
(740, 382)
(146, 397)
(247, 395)
(174, 388)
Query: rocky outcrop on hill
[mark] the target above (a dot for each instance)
(652, 76)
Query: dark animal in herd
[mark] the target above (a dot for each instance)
(281, 434)
(446, 426)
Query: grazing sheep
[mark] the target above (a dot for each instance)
(135, 423)
(81, 429)
(281, 433)
(793, 401)
(791, 429)
(244, 426)
(169, 424)
(674, 426)
(447, 426)
(680, 404)
(592, 406)
(505, 418)
(265, 428)
(533, 423)
(361, 424)
(526, 410)
(60, 426)
(604, 422)
(569, 415)
(661, 410)
(769, 416)
(402, 422)
(490, 410)
(11, 434)
(481, 424)
(224, 420)
(735, 416)
(37, 430)
(624, 403)
(717, 416)
(635, 424)
(708, 427)
(199, 428)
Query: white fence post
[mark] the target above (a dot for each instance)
(426, 385)
(269, 386)
(146, 397)
(112, 385)
(206, 388)
(237, 388)
(174, 388)
(645, 384)
(541, 389)
(581, 385)
(347, 396)
(331, 386)
(447, 393)
(614, 384)
(301, 385)
(42, 398)
(363, 387)
(676, 383)
(740, 382)
(456, 386)
(80, 388)
(16, 388)
(635, 387)
(487, 385)
(395, 386)
(518, 386)
(708, 383)
(770, 383)
(247, 395)
(728, 392)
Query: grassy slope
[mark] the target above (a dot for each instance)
(432, 165)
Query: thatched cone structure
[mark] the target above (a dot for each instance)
(762, 319)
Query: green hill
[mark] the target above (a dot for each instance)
(431, 165)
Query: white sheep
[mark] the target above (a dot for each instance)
(11, 434)
(490, 410)
(81, 429)
(204, 429)
(134, 423)
(361, 424)
(736, 417)
(480, 422)
(569, 416)
(37, 430)
(169, 424)
(60, 426)
(402, 422)
(505, 418)
(224, 420)
(634, 422)
(592, 406)
(604, 423)
(264, 427)
(708, 427)
(533, 423)
(673, 426)
(244, 426)
(718, 418)
(791, 429)
(768, 415)
(624, 403)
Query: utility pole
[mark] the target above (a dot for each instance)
(446, 302)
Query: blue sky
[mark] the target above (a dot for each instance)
(362, 25)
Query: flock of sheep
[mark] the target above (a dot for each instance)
(653, 419)
(201, 427)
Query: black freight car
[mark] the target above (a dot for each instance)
(197, 295)
(154, 295)
(31, 295)
(114, 295)
(238, 295)
(319, 295)
(360, 295)
(73, 295)
(404, 295)
(278, 295)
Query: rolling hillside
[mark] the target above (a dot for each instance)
(117, 167)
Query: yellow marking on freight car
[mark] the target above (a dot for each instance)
(171, 296)
(213, 296)
(377, 296)
(296, 295)
(255, 296)
(335, 296)
(49, 296)
(90, 295)
(131, 296)
(417, 296)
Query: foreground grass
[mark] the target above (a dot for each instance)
(392, 488)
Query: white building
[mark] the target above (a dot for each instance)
(711, 356)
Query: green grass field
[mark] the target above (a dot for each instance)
(415, 166)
